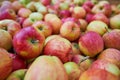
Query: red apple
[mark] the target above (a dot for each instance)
(5, 5)
(20, 20)
(91, 44)
(44, 27)
(28, 45)
(70, 30)
(59, 47)
(18, 62)
(111, 39)
(111, 55)
(45, 2)
(64, 13)
(5, 64)
(89, 17)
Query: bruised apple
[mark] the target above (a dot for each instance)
(46, 68)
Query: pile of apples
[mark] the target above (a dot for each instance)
(59, 40)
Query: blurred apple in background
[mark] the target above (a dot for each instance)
(91, 44)
(31, 6)
(70, 30)
(111, 39)
(97, 26)
(5, 5)
(111, 55)
(28, 45)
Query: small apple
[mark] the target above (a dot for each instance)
(70, 30)
(5, 5)
(111, 39)
(44, 27)
(64, 6)
(31, 6)
(91, 43)
(59, 47)
(98, 27)
(64, 14)
(19, 5)
(111, 55)
(83, 24)
(24, 2)
(45, 2)
(17, 75)
(28, 45)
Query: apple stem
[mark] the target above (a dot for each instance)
(85, 58)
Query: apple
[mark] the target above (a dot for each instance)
(11, 26)
(97, 26)
(17, 75)
(70, 19)
(44, 27)
(5, 5)
(18, 62)
(64, 14)
(31, 6)
(24, 12)
(78, 12)
(5, 40)
(8, 14)
(72, 70)
(101, 17)
(52, 9)
(91, 44)
(5, 64)
(75, 48)
(111, 55)
(111, 39)
(54, 21)
(20, 20)
(102, 7)
(64, 6)
(98, 74)
(24, 2)
(44, 68)
(79, 2)
(19, 5)
(115, 22)
(59, 47)
(28, 45)
(70, 30)
(45, 2)
(88, 17)
(83, 24)
(105, 65)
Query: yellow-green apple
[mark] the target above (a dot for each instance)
(24, 12)
(19, 5)
(79, 2)
(5, 64)
(8, 14)
(54, 21)
(91, 44)
(40, 8)
(28, 42)
(98, 74)
(97, 26)
(111, 55)
(64, 6)
(105, 65)
(45, 2)
(24, 2)
(78, 12)
(5, 40)
(101, 17)
(75, 48)
(111, 39)
(72, 70)
(44, 27)
(102, 7)
(83, 24)
(17, 75)
(59, 47)
(31, 6)
(46, 68)
(18, 62)
(10, 25)
(115, 22)
(70, 30)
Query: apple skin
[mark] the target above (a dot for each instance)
(111, 39)
(115, 22)
(28, 45)
(101, 17)
(17, 75)
(105, 65)
(89, 17)
(83, 24)
(91, 39)
(98, 74)
(27, 22)
(97, 26)
(102, 7)
(8, 14)
(5, 5)
(72, 70)
(5, 40)
(45, 2)
(24, 12)
(46, 66)
(31, 6)
(20, 20)
(111, 55)
(75, 48)
(70, 30)
(54, 21)
(11, 26)
(64, 13)
(5, 64)
(19, 5)
(59, 47)
(44, 27)
(18, 62)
